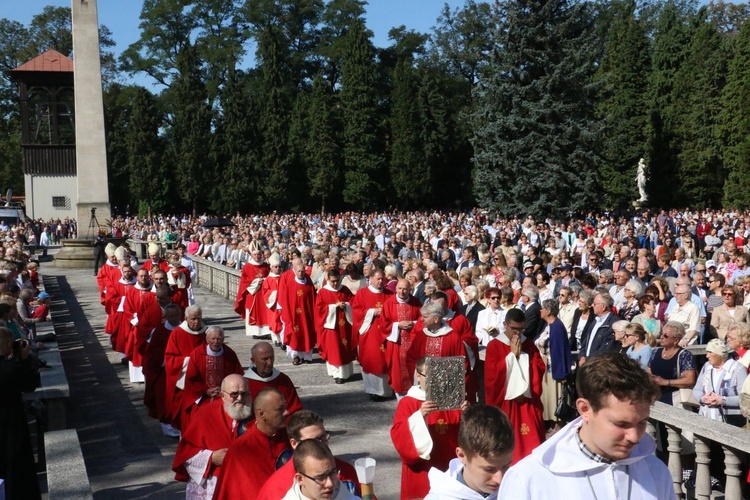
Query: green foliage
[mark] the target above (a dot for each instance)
(535, 137)
(363, 160)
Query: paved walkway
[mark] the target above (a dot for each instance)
(126, 455)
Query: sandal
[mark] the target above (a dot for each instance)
(296, 361)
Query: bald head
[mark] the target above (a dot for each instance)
(403, 289)
(262, 356)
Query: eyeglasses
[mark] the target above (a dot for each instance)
(236, 394)
(728, 294)
(514, 328)
(321, 479)
(495, 298)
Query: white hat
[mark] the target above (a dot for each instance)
(110, 249)
(153, 249)
(254, 246)
(120, 253)
(274, 260)
(710, 263)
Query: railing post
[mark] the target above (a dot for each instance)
(675, 463)
(226, 285)
(702, 473)
(211, 279)
(733, 463)
(651, 430)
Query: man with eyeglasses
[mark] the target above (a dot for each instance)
(686, 313)
(306, 425)
(490, 320)
(317, 474)
(201, 451)
(253, 457)
(423, 436)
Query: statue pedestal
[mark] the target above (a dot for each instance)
(639, 204)
(75, 253)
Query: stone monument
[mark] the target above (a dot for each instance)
(92, 196)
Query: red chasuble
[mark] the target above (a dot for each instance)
(461, 325)
(154, 395)
(269, 299)
(336, 342)
(181, 343)
(279, 381)
(210, 429)
(524, 411)
(399, 341)
(250, 461)
(422, 443)
(443, 343)
(148, 316)
(108, 274)
(204, 372)
(249, 302)
(297, 301)
(282, 480)
(118, 321)
(371, 336)
(178, 280)
(150, 266)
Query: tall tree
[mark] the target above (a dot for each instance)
(669, 51)
(535, 137)
(149, 179)
(191, 130)
(698, 86)
(363, 160)
(322, 153)
(736, 123)
(622, 106)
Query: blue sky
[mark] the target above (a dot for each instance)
(122, 16)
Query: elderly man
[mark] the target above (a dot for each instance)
(367, 306)
(532, 311)
(109, 273)
(687, 313)
(513, 382)
(296, 299)
(270, 296)
(249, 304)
(254, 456)
(204, 444)
(306, 425)
(184, 339)
(155, 261)
(137, 296)
(400, 313)
(263, 374)
(208, 365)
(599, 337)
(333, 321)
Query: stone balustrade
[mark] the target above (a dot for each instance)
(221, 280)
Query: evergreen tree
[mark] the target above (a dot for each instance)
(239, 147)
(669, 51)
(363, 161)
(698, 86)
(149, 180)
(535, 137)
(191, 130)
(736, 123)
(322, 153)
(622, 106)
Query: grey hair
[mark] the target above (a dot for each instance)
(432, 309)
(214, 328)
(635, 287)
(531, 291)
(551, 306)
(679, 328)
(607, 299)
(193, 309)
(470, 292)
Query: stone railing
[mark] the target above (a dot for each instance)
(734, 441)
(221, 280)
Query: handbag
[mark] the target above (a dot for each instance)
(566, 410)
(683, 398)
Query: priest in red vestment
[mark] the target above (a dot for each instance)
(269, 298)
(154, 261)
(367, 307)
(297, 303)
(433, 337)
(178, 279)
(400, 313)
(148, 314)
(204, 444)
(306, 425)
(184, 339)
(333, 319)
(208, 366)
(253, 457)
(513, 372)
(133, 297)
(262, 374)
(154, 394)
(423, 436)
(248, 303)
(118, 321)
(109, 273)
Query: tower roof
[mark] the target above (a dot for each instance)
(50, 61)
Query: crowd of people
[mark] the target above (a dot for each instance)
(527, 305)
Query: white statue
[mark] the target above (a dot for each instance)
(640, 179)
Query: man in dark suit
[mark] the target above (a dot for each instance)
(532, 311)
(471, 309)
(417, 279)
(599, 337)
